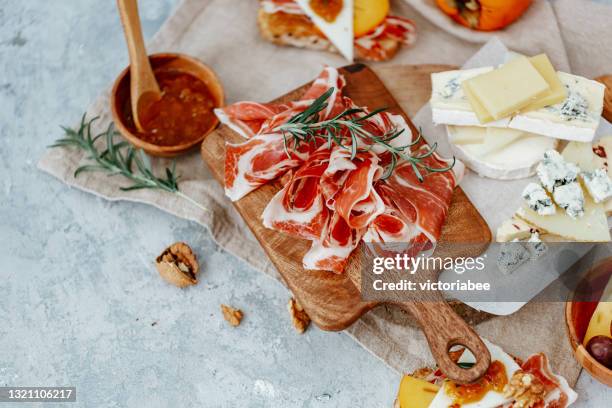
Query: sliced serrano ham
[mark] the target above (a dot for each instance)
(263, 156)
(332, 195)
(251, 118)
(355, 199)
(425, 203)
(331, 252)
(247, 118)
(372, 45)
(257, 161)
(299, 208)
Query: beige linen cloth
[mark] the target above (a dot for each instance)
(223, 33)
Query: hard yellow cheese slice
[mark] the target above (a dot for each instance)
(509, 88)
(591, 227)
(557, 92)
(416, 393)
(602, 317)
(481, 113)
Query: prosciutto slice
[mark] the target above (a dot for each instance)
(299, 208)
(331, 252)
(257, 161)
(348, 186)
(251, 118)
(263, 156)
(423, 203)
(392, 28)
(248, 118)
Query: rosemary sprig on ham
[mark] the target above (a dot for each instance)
(347, 130)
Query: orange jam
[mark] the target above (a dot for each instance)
(328, 10)
(495, 379)
(183, 114)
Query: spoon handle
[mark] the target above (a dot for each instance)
(143, 87)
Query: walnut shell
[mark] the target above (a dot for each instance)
(178, 265)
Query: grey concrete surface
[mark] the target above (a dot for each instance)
(80, 300)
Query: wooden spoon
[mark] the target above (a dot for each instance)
(144, 90)
(607, 109)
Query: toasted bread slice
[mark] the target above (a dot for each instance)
(298, 31)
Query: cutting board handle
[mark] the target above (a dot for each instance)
(443, 329)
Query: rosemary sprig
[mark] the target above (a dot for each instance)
(347, 131)
(119, 158)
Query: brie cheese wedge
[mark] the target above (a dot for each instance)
(339, 31)
(515, 160)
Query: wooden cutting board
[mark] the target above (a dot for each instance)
(333, 301)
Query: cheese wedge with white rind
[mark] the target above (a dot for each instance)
(576, 118)
(491, 399)
(515, 161)
(449, 104)
(339, 31)
(591, 227)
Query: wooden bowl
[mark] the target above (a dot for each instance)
(578, 312)
(171, 62)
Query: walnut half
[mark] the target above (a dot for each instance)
(299, 317)
(178, 265)
(526, 390)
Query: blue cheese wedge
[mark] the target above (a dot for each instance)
(554, 171)
(538, 200)
(576, 118)
(591, 227)
(592, 157)
(535, 246)
(598, 184)
(570, 198)
(449, 105)
(511, 256)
